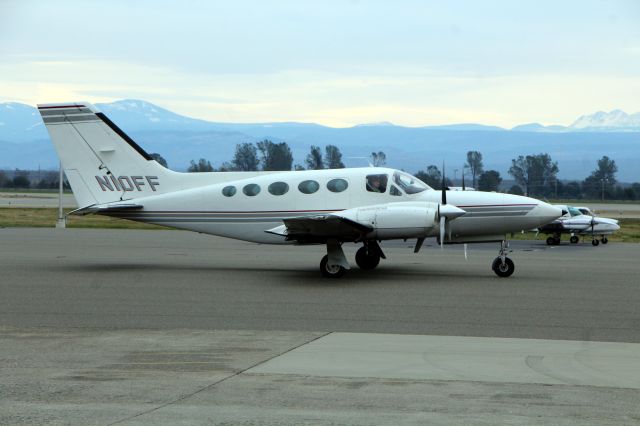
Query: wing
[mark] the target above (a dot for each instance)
(310, 229)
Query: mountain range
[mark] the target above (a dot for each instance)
(180, 139)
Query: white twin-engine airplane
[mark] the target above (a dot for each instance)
(111, 175)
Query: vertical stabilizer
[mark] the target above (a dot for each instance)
(101, 162)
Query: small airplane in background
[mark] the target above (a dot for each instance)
(112, 175)
(576, 222)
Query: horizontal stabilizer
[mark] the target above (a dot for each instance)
(102, 208)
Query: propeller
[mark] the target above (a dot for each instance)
(446, 212)
(443, 219)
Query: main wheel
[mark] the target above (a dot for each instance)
(595, 242)
(331, 271)
(551, 241)
(503, 269)
(574, 239)
(367, 259)
(604, 240)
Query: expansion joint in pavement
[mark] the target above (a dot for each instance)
(214, 384)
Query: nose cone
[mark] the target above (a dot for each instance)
(544, 212)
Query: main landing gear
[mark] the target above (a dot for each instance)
(554, 240)
(603, 240)
(574, 239)
(502, 265)
(335, 265)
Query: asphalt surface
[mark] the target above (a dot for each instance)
(173, 279)
(170, 327)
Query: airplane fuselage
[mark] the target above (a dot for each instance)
(245, 208)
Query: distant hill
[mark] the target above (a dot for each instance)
(180, 139)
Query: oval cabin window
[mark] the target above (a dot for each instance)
(278, 188)
(251, 190)
(229, 191)
(308, 186)
(337, 185)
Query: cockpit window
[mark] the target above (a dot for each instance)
(377, 183)
(574, 212)
(395, 191)
(408, 183)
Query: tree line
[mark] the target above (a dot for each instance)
(534, 175)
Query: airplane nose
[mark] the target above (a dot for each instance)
(546, 212)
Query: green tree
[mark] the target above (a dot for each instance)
(245, 158)
(314, 159)
(571, 190)
(201, 166)
(275, 156)
(333, 157)
(432, 177)
(21, 181)
(160, 159)
(602, 180)
(378, 159)
(3, 179)
(474, 163)
(489, 181)
(516, 190)
(536, 174)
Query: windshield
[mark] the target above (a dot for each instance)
(409, 184)
(574, 212)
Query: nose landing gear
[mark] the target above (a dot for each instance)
(502, 265)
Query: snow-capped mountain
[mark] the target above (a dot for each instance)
(617, 120)
(142, 115)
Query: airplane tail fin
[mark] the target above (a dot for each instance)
(101, 162)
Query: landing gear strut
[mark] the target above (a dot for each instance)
(502, 265)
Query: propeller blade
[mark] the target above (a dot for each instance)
(463, 187)
(444, 191)
(443, 221)
(465, 251)
(418, 245)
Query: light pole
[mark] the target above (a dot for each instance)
(61, 223)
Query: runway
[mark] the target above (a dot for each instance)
(151, 327)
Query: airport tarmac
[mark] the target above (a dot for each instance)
(170, 327)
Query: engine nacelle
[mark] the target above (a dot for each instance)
(395, 220)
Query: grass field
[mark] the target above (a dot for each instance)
(11, 217)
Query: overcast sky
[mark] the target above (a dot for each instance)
(337, 63)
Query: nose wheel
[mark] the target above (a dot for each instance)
(502, 265)
(331, 271)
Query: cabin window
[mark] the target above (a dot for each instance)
(308, 186)
(229, 191)
(395, 191)
(377, 183)
(278, 188)
(251, 189)
(337, 185)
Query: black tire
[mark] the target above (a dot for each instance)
(574, 239)
(503, 270)
(330, 272)
(367, 260)
(604, 240)
(595, 242)
(556, 241)
(551, 241)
